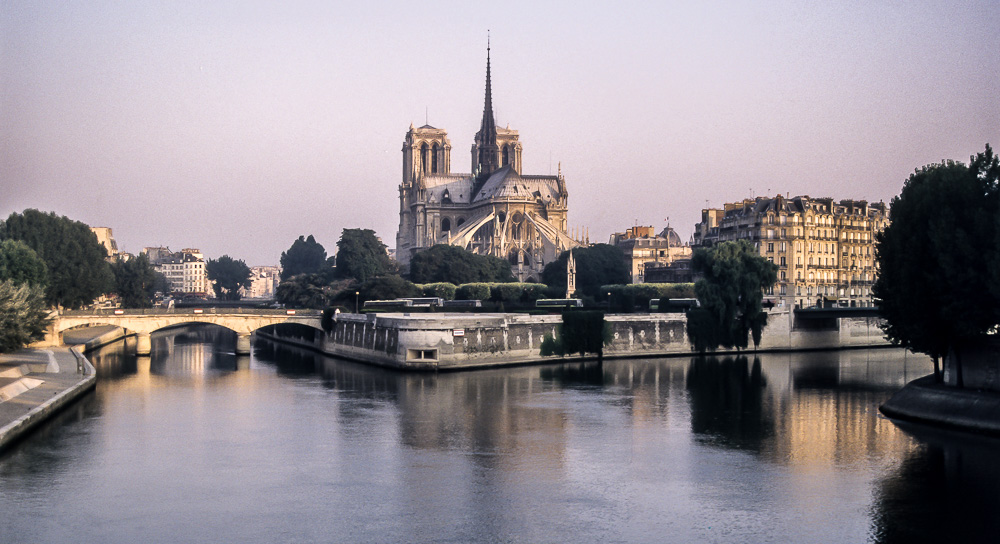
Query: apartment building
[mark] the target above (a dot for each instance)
(643, 249)
(824, 249)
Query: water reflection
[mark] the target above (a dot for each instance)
(727, 401)
(946, 490)
(203, 446)
(180, 351)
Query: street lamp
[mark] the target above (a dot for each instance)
(356, 294)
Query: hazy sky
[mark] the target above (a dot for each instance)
(235, 127)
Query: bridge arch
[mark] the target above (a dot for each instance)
(145, 322)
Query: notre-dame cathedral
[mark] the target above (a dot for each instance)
(495, 210)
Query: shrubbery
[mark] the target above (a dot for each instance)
(441, 290)
(628, 297)
(473, 291)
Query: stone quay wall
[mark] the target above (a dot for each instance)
(459, 341)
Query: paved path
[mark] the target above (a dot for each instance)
(36, 383)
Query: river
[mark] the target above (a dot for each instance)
(195, 444)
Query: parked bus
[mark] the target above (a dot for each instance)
(673, 305)
(463, 304)
(424, 302)
(558, 303)
(395, 303)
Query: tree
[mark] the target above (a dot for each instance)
(730, 292)
(77, 270)
(20, 264)
(160, 283)
(360, 255)
(306, 256)
(451, 264)
(597, 265)
(584, 332)
(581, 331)
(387, 288)
(229, 276)
(939, 260)
(135, 281)
(308, 291)
(23, 314)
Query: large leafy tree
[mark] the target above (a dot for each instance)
(135, 281)
(306, 256)
(597, 265)
(229, 275)
(731, 291)
(77, 270)
(20, 264)
(361, 255)
(23, 311)
(387, 287)
(23, 314)
(309, 291)
(445, 263)
(939, 260)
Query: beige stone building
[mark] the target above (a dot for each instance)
(264, 282)
(495, 210)
(107, 239)
(644, 248)
(824, 249)
(185, 270)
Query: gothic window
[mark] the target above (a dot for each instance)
(445, 225)
(506, 155)
(460, 221)
(434, 159)
(423, 157)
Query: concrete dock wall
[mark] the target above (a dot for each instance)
(455, 341)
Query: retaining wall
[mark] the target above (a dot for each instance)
(456, 341)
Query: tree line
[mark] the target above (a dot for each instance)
(50, 261)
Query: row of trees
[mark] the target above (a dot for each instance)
(49, 261)
(362, 271)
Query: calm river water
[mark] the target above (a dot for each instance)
(197, 445)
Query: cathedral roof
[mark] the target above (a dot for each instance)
(506, 183)
(456, 188)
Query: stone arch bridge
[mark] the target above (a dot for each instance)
(243, 321)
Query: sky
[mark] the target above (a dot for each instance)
(237, 126)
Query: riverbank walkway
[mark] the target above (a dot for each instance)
(37, 383)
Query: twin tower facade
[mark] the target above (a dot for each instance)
(494, 210)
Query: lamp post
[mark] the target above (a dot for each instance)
(356, 294)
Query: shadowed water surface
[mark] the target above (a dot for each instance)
(196, 444)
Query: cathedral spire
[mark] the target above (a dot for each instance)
(488, 126)
(486, 139)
